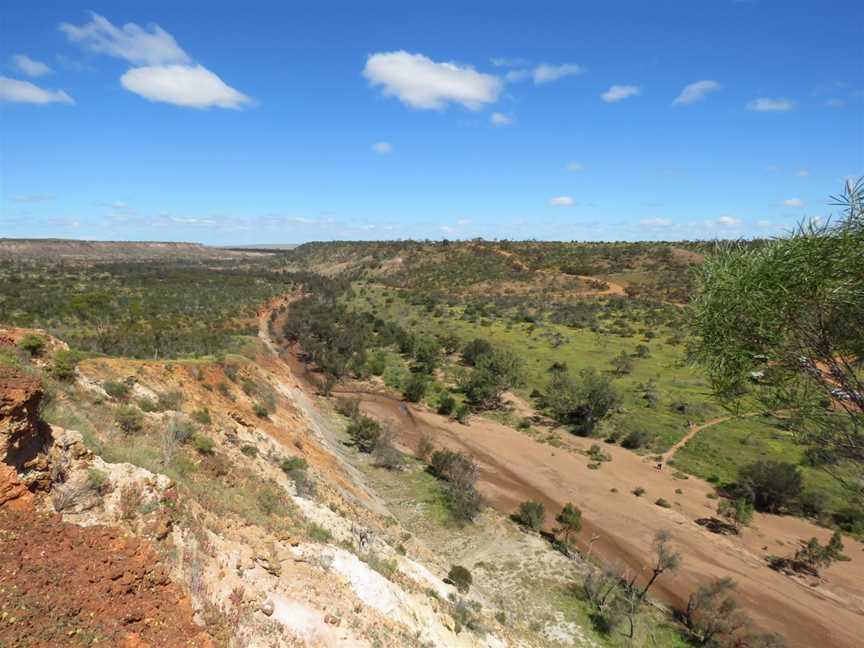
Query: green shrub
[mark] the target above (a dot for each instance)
(663, 503)
(319, 534)
(638, 491)
(129, 419)
(32, 344)
(202, 416)
(260, 410)
(170, 400)
(98, 480)
(531, 515)
(446, 404)
(293, 463)
(364, 432)
(203, 444)
(415, 388)
(116, 390)
(65, 362)
(772, 485)
(461, 578)
(249, 450)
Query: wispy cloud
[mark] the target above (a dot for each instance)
(765, 104)
(728, 221)
(620, 92)
(420, 82)
(561, 201)
(793, 202)
(655, 222)
(695, 92)
(509, 62)
(15, 91)
(802, 173)
(574, 167)
(835, 103)
(546, 73)
(33, 198)
(166, 74)
(148, 46)
(500, 119)
(28, 66)
(382, 148)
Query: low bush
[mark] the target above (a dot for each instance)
(129, 419)
(461, 578)
(531, 515)
(32, 344)
(116, 390)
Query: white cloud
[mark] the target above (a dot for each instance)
(462, 222)
(382, 148)
(517, 75)
(655, 222)
(793, 202)
(728, 221)
(764, 224)
(420, 82)
(508, 62)
(764, 104)
(802, 173)
(447, 229)
(574, 167)
(183, 85)
(167, 73)
(33, 198)
(15, 91)
(561, 201)
(546, 73)
(150, 46)
(835, 103)
(695, 92)
(28, 66)
(500, 119)
(619, 92)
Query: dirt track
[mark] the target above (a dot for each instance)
(515, 467)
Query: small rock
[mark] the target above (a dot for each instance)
(332, 620)
(267, 607)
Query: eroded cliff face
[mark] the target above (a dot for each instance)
(22, 438)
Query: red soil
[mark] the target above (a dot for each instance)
(64, 585)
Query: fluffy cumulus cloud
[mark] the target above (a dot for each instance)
(420, 82)
(183, 85)
(561, 201)
(695, 92)
(138, 45)
(620, 92)
(545, 73)
(28, 66)
(765, 104)
(793, 202)
(166, 73)
(382, 148)
(15, 91)
(500, 119)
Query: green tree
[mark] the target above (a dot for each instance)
(461, 578)
(531, 514)
(797, 302)
(772, 485)
(493, 374)
(415, 388)
(580, 404)
(570, 519)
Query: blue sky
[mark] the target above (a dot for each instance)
(226, 123)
